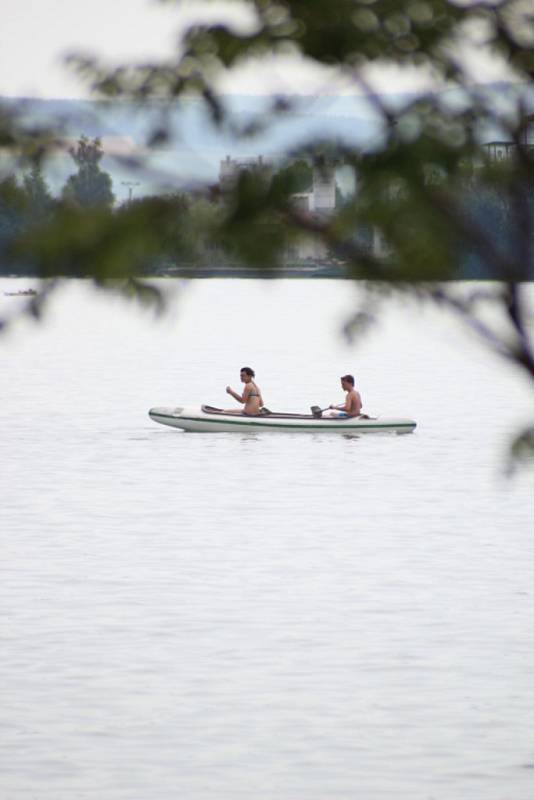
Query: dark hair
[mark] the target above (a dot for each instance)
(348, 379)
(248, 371)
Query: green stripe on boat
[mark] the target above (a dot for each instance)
(263, 423)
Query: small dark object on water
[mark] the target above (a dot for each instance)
(21, 293)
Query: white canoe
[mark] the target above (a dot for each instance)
(215, 420)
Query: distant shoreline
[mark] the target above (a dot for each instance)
(331, 272)
(326, 270)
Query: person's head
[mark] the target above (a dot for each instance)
(347, 382)
(246, 374)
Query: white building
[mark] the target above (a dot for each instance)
(320, 202)
(500, 151)
(324, 189)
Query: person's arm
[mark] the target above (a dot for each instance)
(240, 398)
(340, 407)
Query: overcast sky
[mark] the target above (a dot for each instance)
(36, 35)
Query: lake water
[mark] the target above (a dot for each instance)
(277, 616)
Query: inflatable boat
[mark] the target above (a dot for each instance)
(215, 420)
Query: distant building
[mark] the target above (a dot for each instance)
(324, 189)
(303, 201)
(318, 203)
(502, 150)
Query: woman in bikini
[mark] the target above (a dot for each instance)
(251, 397)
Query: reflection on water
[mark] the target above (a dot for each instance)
(273, 616)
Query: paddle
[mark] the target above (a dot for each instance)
(317, 411)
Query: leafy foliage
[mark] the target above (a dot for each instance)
(90, 187)
(40, 201)
(12, 215)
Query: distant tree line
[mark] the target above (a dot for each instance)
(29, 210)
(27, 205)
(182, 220)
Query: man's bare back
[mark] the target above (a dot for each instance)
(353, 403)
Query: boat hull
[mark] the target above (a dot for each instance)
(197, 420)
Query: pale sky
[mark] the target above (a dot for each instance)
(35, 35)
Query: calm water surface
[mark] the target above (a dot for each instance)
(281, 616)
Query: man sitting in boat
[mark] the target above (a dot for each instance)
(352, 407)
(251, 397)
